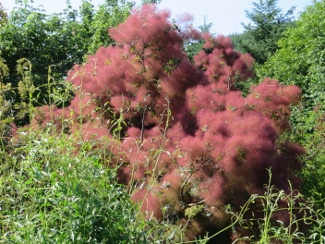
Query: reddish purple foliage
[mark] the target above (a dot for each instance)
(190, 138)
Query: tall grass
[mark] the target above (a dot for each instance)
(51, 194)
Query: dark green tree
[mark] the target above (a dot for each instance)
(268, 23)
(52, 43)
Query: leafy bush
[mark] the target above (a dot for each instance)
(309, 129)
(300, 61)
(51, 195)
(52, 43)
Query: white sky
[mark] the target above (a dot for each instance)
(226, 16)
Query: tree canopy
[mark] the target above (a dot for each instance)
(48, 45)
(301, 54)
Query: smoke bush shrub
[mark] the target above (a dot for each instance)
(188, 142)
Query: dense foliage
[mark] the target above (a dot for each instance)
(51, 195)
(187, 142)
(300, 61)
(52, 43)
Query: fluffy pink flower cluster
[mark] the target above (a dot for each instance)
(189, 137)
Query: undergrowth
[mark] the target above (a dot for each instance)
(50, 194)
